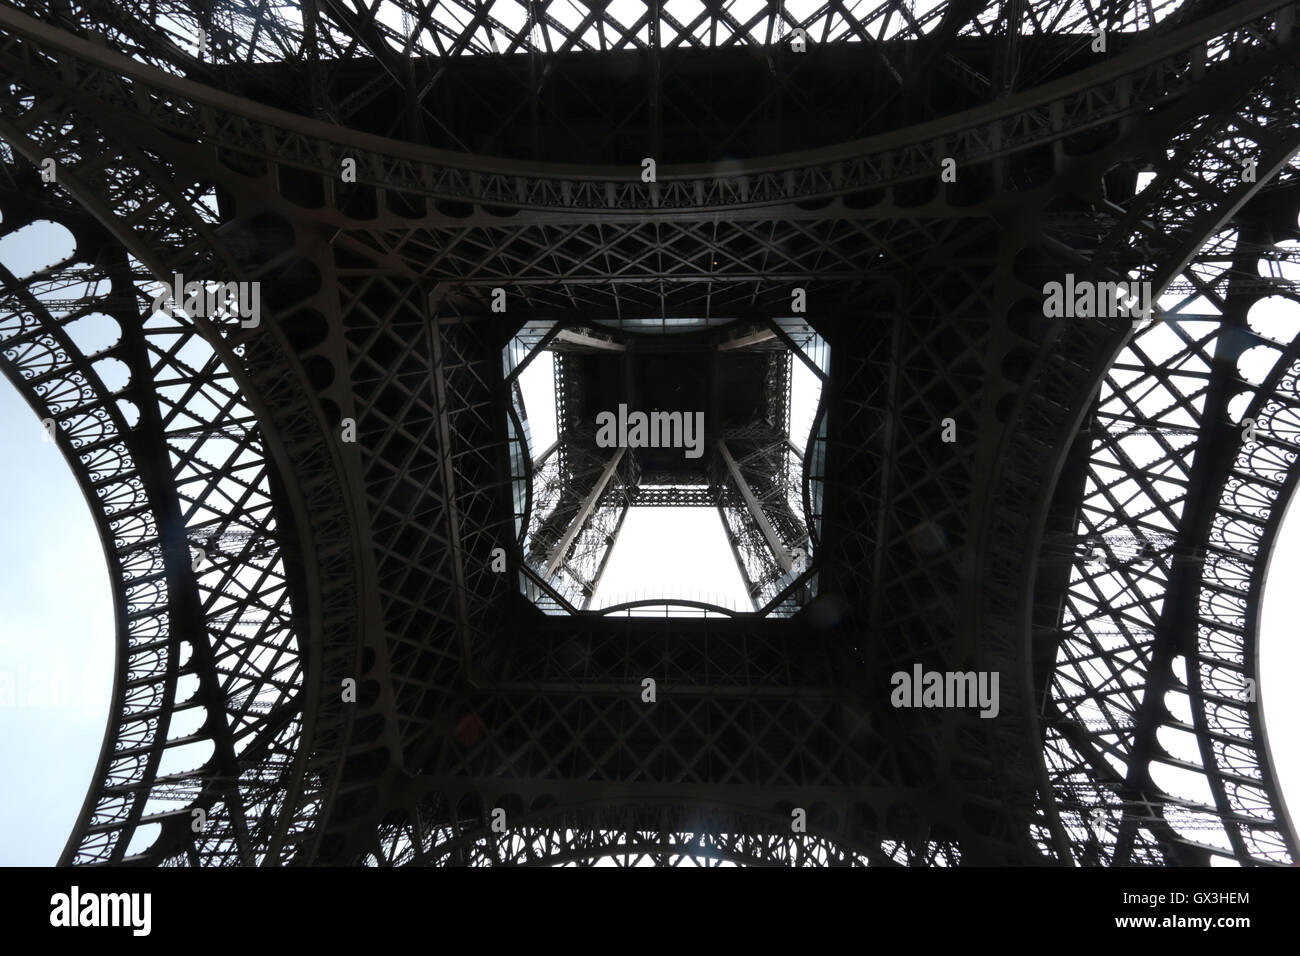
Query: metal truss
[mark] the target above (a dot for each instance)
(436, 832)
(1160, 654)
(429, 59)
(1124, 86)
(578, 495)
(629, 835)
(369, 560)
(581, 499)
(207, 693)
(759, 480)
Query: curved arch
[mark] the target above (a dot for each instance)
(1108, 712)
(1045, 114)
(586, 832)
(671, 602)
(1245, 525)
(118, 801)
(147, 555)
(295, 436)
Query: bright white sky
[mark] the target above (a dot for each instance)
(672, 552)
(56, 638)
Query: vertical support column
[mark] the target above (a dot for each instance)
(891, 426)
(447, 473)
(656, 108)
(604, 558)
(756, 511)
(562, 546)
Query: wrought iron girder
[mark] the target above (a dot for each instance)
(1184, 217)
(1215, 447)
(561, 547)
(779, 553)
(1126, 84)
(611, 737)
(164, 605)
(149, 186)
(446, 827)
(327, 563)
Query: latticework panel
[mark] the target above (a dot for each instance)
(351, 465)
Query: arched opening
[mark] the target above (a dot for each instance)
(56, 640)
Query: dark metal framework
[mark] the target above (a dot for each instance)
(574, 496)
(1155, 661)
(368, 560)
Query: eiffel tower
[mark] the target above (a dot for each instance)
(355, 600)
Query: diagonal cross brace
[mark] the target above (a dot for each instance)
(769, 533)
(562, 546)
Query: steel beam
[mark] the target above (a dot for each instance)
(756, 510)
(561, 548)
(587, 340)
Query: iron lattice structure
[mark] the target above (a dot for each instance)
(577, 493)
(1097, 533)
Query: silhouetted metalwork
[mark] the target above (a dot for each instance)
(1096, 531)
